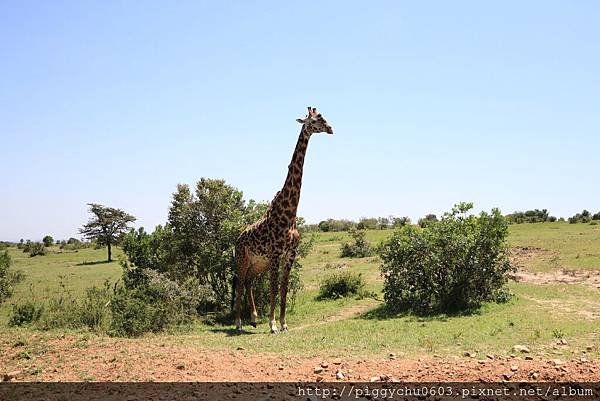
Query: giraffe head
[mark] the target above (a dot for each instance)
(314, 122)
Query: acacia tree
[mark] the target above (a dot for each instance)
(107, 226)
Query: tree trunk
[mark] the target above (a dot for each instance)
(109, 253)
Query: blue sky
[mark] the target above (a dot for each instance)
(432, 103)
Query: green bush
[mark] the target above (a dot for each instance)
(25, 313)
(8, 278)
(62, 312)
(94, 312)
(427, 220)
(48, 240)
(152, 304)
(340, 285)
(37, 248)
(583, 217)
(453, 265)
(359, 247)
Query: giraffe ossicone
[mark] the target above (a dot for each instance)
(271, 243)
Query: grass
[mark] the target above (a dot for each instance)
(537, 317)
(561, 245)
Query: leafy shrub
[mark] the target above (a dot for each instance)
(8, 278)
(453, 265)
(583, 217)
(152, 305)
(596, 216)
(400, 221)
(340, 285)
(530, 216)
(37, 248)
(359, 247)
(48, 241)
(25, 313)
(330, 225)
(427, 220)
(61, 312)
(367, 223)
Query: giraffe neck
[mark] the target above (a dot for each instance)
(289, 196)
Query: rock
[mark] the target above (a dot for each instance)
(557, 362)
(521, 348)
(318, 369)
(241, 348)
(514, 368)
(529, 358)
(374, 379)
(506, 376)
(589, 348)
(324, 365)
(180, 366)
(481, 361)
(11, 375)
(337, 361)
(339, 375)
(562, 341)
(384, 378)
(392, 356)
(319, 378)
(535, 375)
(490, 356)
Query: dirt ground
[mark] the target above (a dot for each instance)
(64, 359)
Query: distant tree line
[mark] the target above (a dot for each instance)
(584, 217)
(365, 223)
(530, 216)
(540, 216)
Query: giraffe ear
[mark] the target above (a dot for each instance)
(301, 121)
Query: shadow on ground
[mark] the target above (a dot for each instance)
(97, 262)
(384, 312)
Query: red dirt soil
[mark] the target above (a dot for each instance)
(67, 359)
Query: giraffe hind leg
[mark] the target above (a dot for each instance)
(241, 270)
(250, 295)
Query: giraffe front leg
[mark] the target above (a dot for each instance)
(273, 294)
(284, 289)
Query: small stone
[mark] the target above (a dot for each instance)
(506, 376)
(11, 375)
(280, 367)
(384, 378)
(318, 369)
(535, 375)
(564, 369)
(514, 368)
(180, 366)
(241, 348)
(557, 362)
(562, 341)
(392, 356)
(469, 354)
(339, 375)
(490, 356)
(319, 378)
(589, 348)
(481, 361)
(374, 379)
(337, 361)
(324, 365)
(521, 348)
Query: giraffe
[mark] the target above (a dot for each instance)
(273, 240)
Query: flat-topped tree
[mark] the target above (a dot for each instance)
(106, 226)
